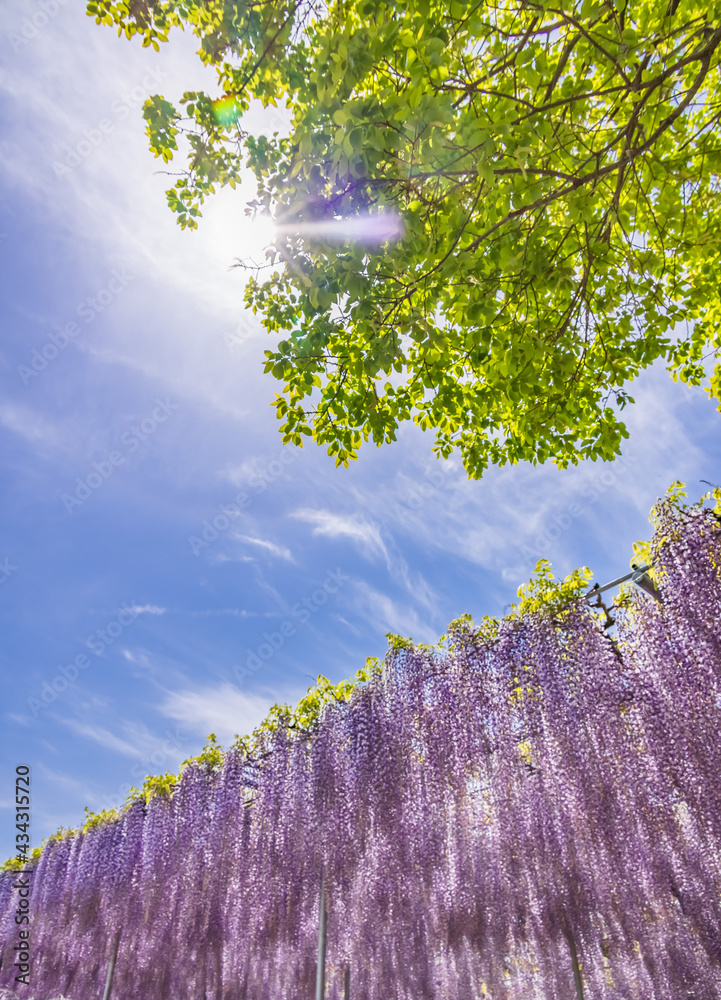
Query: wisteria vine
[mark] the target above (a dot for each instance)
(533, 811)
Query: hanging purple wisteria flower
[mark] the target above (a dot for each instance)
(533, 813)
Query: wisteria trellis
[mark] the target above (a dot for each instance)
(534, 813)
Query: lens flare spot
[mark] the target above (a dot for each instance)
(226, 111)
(367, 230)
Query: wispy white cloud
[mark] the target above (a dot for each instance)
(98, 734)
(22, 720)
(133, 739)
(147, 609)
(147, 665)
(262, 470)
(30, 425)
(390, 616)
(79, 788)
(232, 612)
(349, 625)
(364, 534)
(281, 551)
(222, 709)
(139, 658)
(368, 537)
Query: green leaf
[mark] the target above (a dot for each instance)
(553, 230)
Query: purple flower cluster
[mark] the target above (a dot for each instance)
(534, 816)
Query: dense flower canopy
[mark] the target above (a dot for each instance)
(532, 811)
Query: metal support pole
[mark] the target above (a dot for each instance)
(346, 983)
(639, 575)
(577, 977)
(111, 967)
(644, 581)
(322, 942)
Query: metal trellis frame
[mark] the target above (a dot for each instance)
(322, 941)
(639, 576)
(111, 966)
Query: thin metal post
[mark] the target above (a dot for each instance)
(577, 977)
(346, 983)
(322, 942)
(111, 967)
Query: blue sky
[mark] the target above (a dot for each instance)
(134, 412)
